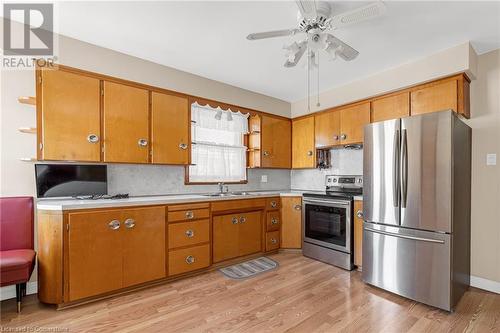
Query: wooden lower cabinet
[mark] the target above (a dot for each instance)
(273, 220)
(190, 259)
(236, 235)
(113, 249)
(358, 233)
(272, 241)
(188, 233)
(291, 225)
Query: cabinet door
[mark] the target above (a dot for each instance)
(169, 129)
(392, 107)
(70, 117)
(126, 128)
(303, 143)
(352, 121)
(225, 237)
(291, 225)
(358, 232)
(250, 233)
(327, 129)
(144, 250)
(276, 142)
(94, 253)
(437, 97)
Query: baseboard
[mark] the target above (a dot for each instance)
(10, 291)
(485, 284)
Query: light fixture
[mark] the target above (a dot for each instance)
(218, 115)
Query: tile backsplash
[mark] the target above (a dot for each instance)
(343, 162)
(164, 179)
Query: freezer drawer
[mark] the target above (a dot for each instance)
(411, 263)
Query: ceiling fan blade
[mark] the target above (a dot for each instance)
(359, 14)
(341, 49)
(302, 46)
(272, 34)
(307, 8)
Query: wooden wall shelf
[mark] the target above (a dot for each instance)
(30, 130)
(30, 100)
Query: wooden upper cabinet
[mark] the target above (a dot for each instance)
(437, 96)
(94, 254)
(391, 107)
(126, 123)
(352, 121)
(275, 142)
(327, 129)
(254, 141)
(70, 116)
(144, 246)
(170, 127)
(303, 155)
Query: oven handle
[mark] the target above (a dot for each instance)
(343, 203)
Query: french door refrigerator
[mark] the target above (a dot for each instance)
(416, 207)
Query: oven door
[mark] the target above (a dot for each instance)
(327, 223)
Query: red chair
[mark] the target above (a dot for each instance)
(17, 257)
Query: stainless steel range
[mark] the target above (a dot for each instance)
(328, 221)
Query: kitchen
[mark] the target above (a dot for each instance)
(289, 149)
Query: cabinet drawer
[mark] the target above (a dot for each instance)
(273, 221)
(188, 214)
(272, 240)
(273, 203)
(188, 233)
(190, 259)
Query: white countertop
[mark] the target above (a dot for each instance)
(73, 204)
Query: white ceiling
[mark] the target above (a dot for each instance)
(208, 38)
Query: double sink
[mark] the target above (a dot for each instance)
(227, 194)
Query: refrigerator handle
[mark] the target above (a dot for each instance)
(404, 168)
(395, 170)
(387, 233)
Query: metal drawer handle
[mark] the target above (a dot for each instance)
(189, 233)
(274, 240)
(183, 146)
(93, 138)
(243, 219)
(310, 153)
(190, 214)
(343, 137)
(142, 142)
(129, 223)
(190, 260)
(234, 220)
(298, 207)
(359, 214)
(273, 204)
(274, 221)
(114, 225)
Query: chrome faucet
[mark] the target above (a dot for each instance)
(221, 188)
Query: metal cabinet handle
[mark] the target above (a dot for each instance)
(142, 142)
(309, 153)
(274, 240)
(343, 137)
(114, 225)
(190, 214)
(183, 146)
(243, 219)
(234, 220)
(359, 214)
(266, 153)
(336, 137)
(129, 223)
(190, 260)
(297, 207)
(93, 138)
(273, 204)
(189, 233)
(274, 220)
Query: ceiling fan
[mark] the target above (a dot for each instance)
(315, 20)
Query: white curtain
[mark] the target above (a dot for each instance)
(218, 152)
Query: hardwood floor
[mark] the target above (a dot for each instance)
(303, 295)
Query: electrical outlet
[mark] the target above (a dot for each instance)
(263, 179)
(491, 159)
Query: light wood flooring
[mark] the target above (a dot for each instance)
(303, 295)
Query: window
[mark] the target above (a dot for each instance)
(218, 151)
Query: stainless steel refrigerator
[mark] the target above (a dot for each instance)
(416, 207)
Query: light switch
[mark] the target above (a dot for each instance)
(263, 179)
(491, 159)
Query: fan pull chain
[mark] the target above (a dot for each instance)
(317, 102)
(308, 81)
